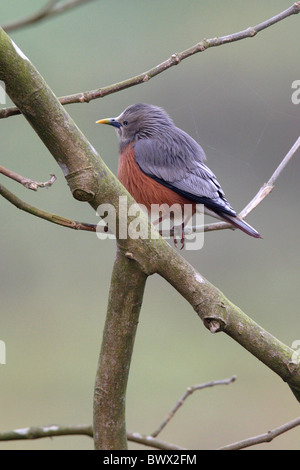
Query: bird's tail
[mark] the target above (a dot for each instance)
(241, 224)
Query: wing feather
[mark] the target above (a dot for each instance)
(176, 161)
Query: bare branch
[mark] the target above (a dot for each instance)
(269, 186)
(38, 432)
(55, 219)
(189, 392)
(152, 442)
(41, 14)
(266, 437)
(175, 59)
(26, 182)
(49, 10)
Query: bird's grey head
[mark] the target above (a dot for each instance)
(139, 121)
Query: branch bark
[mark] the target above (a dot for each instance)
(125, 300)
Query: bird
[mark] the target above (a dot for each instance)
(160, 163)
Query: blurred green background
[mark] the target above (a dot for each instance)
(236, 101)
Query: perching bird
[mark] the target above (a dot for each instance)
(160, 163)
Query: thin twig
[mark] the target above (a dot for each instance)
(39, 15)
(266, 437)
(26, 182)
(49, 10)
(269, 186)
(189, 392)
(175, 59)
(55, 219)
(150, 441)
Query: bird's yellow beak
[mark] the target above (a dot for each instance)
(110, 121)
(103, 121)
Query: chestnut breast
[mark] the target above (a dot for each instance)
(144, 189)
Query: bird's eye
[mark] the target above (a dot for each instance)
(125, 123)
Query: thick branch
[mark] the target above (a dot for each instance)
(219, 314)
(125, 300)
(175, 59)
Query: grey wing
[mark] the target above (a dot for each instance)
(180, 167)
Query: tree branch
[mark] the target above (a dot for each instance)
(175, 59)
(53, 218)
(53, 430)
(49, 10)
(266, 437)
(26, 182)
(269, 186)
(189, 392)
(39, 432)
(125, 300)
